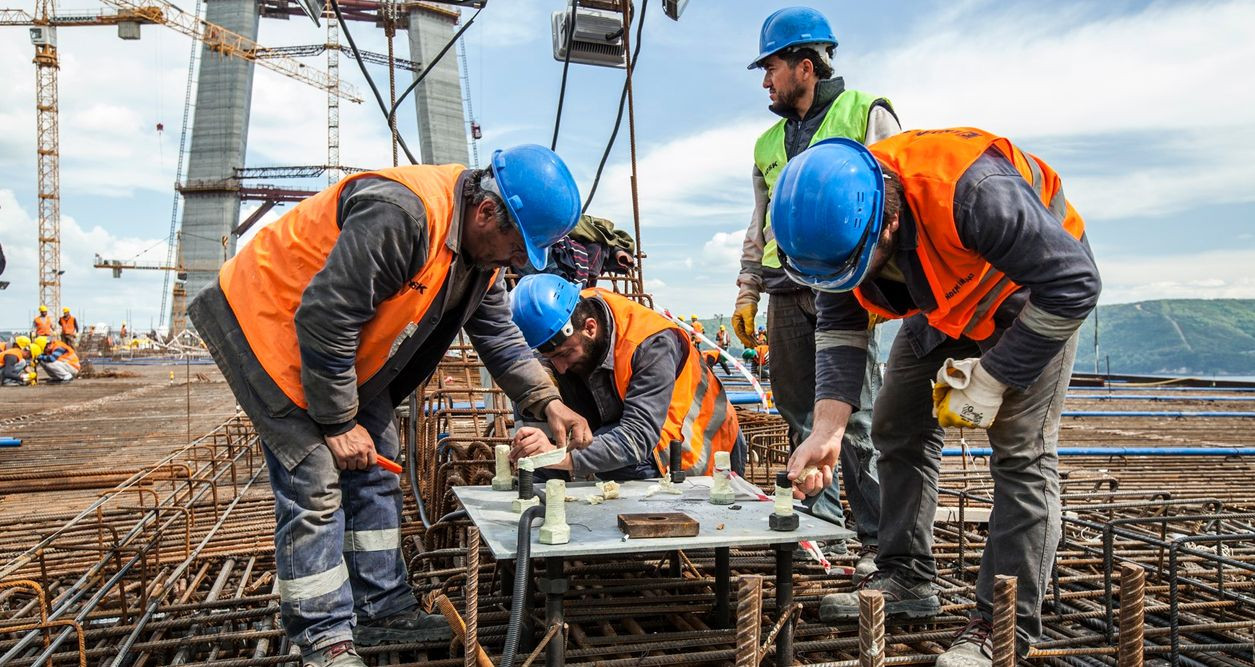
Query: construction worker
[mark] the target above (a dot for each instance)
(15, 369)
(978, 248)
(633, 374)
(69, 327)
(760, 338)
(57, 358)
(715, 356)
(721, 337)
(123, 334)
(697, 329)
(329, 318)
(42, 326)
(796, 47)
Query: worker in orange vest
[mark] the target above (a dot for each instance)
(331, 317)
(43, 323)
(15, 368)
(69, 327)
(973, 242)
(633, 374)
(57, 358)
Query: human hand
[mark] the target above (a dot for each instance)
(353, 450)
(816, 451)
(563, 420)
(529, 441)
(966, 395)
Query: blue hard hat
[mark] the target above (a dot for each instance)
(541, 305)
(827, 212)
(540, 194)
(789, 27)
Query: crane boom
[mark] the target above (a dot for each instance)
(226, 42)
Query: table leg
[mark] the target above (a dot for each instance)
(723, 587)
(784, 602)
(554, 585)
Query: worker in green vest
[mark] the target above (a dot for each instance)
(795, 53)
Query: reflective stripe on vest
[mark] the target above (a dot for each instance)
(966, 288)
(847, 117)
(265, 281)
(69, 357)
(699, 414)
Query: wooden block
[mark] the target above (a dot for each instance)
(658, 524)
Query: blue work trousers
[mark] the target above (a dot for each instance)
(338, 540)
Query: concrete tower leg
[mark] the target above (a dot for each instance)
(438, 99)
(211, 206)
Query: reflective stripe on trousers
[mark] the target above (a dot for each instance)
(337, 541)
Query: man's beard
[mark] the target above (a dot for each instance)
(785, 100)
(593, 352)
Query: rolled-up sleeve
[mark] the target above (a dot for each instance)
(505, 353)
(655, 365)
(999, 216)
(842, 334)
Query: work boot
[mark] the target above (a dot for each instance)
(918, 601)
(411, 625)
(866, 565)
(339, 654)
(974, 647)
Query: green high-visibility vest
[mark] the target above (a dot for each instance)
(846, 117)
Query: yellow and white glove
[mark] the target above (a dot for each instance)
(966, 395)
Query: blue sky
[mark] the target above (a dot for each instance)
(1145, 109)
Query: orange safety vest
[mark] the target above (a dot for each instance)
(69, 325)
(967, 289)
(700, 414)
(70, 357)
(43, 325)
(760, 353)
(14, 352)
(264, 282)
(710, 357)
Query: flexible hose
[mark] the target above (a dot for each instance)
(522, 573)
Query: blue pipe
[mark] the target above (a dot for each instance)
(1133, 413)
(1151, 413)
(743, 398)
(1156, 397)
(10, 442)
(1122, 451)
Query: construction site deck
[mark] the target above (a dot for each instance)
(138, 531)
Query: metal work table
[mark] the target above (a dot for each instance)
(595, 532)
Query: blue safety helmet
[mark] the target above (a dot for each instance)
(827, 212)
(540, 194)
(789, 27)
(542, 304)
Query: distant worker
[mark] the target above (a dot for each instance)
(331, 317)
(43, 324)
(697, 329)
(760, 338)
(16, 369)
(69, 327)
(57, 358)
(722, 339)
(796, 47)
(633, 374)
(594, 247)
(123, 334)
(972, 240)
(762, 357)
(750, 358)
(715, 356)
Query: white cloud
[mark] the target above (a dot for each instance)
(724, 249)
(92, 293)
(1216, 274)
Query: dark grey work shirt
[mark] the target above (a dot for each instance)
(1001, 218)
(382, 244)
(631, 426)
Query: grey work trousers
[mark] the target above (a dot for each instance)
(791, 334)
(1024, 525)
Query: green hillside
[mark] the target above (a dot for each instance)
(1177, 336)
(1173, 336)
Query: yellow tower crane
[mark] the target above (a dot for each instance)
(128, 15)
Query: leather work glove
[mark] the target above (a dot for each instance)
(743, 315)
(966, 395)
